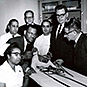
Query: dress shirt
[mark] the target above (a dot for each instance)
(42, 43)
(4, 38)
(78, 37)
(10, 77)
(62, 25)
(25, 43)
(30, 24)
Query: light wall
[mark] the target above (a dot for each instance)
(15, 9)
(84, 15)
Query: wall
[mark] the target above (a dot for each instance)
(15, 9)
(84, 15)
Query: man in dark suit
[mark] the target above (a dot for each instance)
(28, 39)
(29, 20)
(73, 32)
(26, 42)
(60, 47)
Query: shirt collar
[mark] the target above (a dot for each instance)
(78, 37)
(62, 25)
(31, 23)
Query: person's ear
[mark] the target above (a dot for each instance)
(25, 32)
(8, 56)
(8, 27)
(67, 14)
(51, 28)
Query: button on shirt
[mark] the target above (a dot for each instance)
(42, 43)
(9, 77)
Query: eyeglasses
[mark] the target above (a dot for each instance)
(34, 35)
(29, 17)
(69, 32)
(46, 26)
(61, 15)
(14, 26)
(16, 53)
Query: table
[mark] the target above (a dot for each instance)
(54, 80)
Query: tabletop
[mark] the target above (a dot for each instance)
(45, 79)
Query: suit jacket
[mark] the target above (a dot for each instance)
(80, 55)
(61, 48)
(20, 41)
(25, 27)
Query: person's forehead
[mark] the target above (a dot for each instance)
(32, 30)
(28, 14)
(46, 23)
(14, 23)
(16, 50)
(60, 11)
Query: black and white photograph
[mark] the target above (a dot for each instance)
(43, 43)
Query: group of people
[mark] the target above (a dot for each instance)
(25, 47)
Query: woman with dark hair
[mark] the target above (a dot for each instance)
(11, 31)
(9, 24)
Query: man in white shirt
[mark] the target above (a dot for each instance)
(11, 31)
(42, 43)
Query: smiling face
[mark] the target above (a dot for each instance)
(31, 34)
(46, 28)
(61, 15)
(13, 27)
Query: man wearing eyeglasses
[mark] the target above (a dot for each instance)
(60, 47)
(73, 32)
(29, 20)
(26, 44)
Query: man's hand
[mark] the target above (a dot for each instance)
(29, 71)
(27, 55)
(58, 61)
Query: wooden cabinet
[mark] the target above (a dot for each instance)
(47, 8)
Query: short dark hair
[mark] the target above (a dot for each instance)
(46, 21)
(27, 12)
(10, 48)
(61, 6)
(74, 23)
(7, 29)
(32, 26)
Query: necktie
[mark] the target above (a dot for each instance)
(58, 31)
(12, 36)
